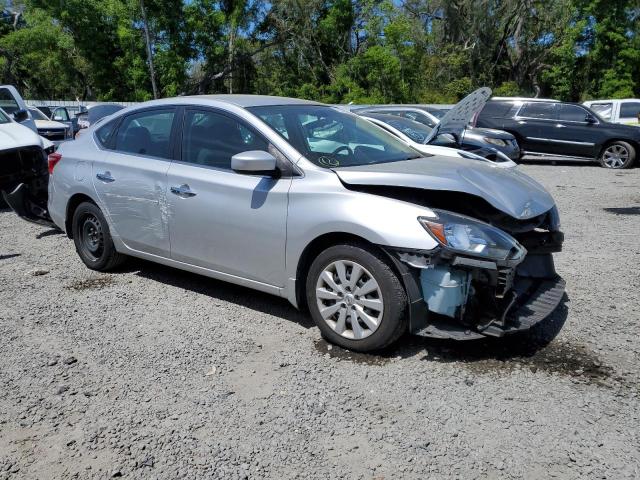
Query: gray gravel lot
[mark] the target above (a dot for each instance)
(155, 373)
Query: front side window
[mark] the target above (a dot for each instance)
(630, 109)
(146, 133)
(604, 110)
(572, 113)
(333, 138)
(62, 113)
(541, 110)
(7, 102)
(210, 139)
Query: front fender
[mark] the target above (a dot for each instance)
(319, 204)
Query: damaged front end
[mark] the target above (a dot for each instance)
(24, 179)
(487, 278)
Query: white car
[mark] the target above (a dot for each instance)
(56, 132)
(501, 160)
(625, 110)
(19, 145)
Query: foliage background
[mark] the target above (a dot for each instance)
(365, 51)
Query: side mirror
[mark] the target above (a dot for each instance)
(57, 118)
(21, 115)
(445, 140)
(253, 161)
(590, 118)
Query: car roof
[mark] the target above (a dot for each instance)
(525, 99)
(245, 101)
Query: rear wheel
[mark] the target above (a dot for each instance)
(355, 298)
(93, 240)
(618, 155)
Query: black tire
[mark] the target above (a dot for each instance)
(394, 321)
(624, 148)
(93, 240)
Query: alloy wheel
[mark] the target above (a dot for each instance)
(615, 156)
(349, 299)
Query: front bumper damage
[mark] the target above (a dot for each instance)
(500, 297)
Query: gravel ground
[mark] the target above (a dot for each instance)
(155, 373)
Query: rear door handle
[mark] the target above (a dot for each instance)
(105, 177)
(183, 191)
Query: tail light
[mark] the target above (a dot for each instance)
(53, 160)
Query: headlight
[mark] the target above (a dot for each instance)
(472, 237)
(495, 141)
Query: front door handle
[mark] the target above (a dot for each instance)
(183, 191)
(559, 125)
(105, 177)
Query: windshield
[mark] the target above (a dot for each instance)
(37, 114)
(333, 138)
(416, 131)
(436, 112)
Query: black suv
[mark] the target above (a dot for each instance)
(550, 128)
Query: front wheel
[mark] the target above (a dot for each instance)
(93, 240)
(355, 298)
(618, 155)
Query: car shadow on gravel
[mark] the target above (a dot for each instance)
(219, 290)
(535, 350)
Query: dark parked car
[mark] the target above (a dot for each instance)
(550, 128)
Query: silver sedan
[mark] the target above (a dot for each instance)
(311, 203)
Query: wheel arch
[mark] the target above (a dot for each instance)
(311, 251)
(322, 242)
(634, 143)
(72, 204)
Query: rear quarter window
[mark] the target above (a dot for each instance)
(103, 134)
(496, 109)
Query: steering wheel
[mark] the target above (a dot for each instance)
(341, 148)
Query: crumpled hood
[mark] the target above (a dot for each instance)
(508, 190)
(13, 135)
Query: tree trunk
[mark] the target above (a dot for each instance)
(149, 53)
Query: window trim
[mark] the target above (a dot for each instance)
(286, 170)
(121, 119)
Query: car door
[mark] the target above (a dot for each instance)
(219, 219)
(574, 134)
(534, 123)
(131, 179)
(61, 115)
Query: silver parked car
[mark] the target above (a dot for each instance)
(314, 204)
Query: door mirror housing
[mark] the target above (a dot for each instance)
(254, 161)
(21, 115)
(590, 118)
(445, 140)
(57, 118)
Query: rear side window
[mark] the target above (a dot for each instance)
(541, 110)
(572, 113)
(103, 134)
(603, 109)
(210, 139)
(146, 133)
(496, 109)
(629, 109)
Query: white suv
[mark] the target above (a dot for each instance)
(617, 111)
